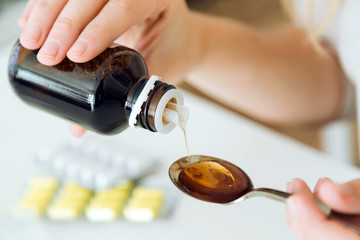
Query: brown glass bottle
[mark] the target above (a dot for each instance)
(105, 95)
(216, 181)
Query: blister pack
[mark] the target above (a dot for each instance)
(93, 163)
(97, 180)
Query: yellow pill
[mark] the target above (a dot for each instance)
(106, 204)
(39, 194)
(70, 186)
(66, 203)
(125, 185)
(33, 208)
(35, 200)
(111, 195)
(133, 203)
(147, 193)
(144, 204)
(75, 195)
(43, 182)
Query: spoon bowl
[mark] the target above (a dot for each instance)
(225, 193)
(218, 181)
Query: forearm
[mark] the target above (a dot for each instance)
(276, 78)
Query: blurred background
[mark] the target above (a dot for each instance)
(338, 139)
(10, 11)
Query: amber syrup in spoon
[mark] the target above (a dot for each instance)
(205, 178)
(210, 179)
(218, 181)
(214, 181)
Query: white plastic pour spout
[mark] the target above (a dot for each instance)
(176, 114)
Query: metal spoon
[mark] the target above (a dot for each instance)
(215, 180)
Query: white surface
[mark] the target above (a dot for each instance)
(270, 159)
(339, 140)
(10, 11)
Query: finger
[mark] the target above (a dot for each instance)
(115, 18)
(24, 18)
(40, 20)
(76, 131)
(310, 223)
(298, 186)
(71, 21)
(344, 198)
(319, 183)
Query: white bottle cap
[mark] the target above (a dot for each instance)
(141, 99)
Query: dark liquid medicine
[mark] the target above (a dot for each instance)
(214, 181)
(105, 95)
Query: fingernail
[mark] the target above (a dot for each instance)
(32, 32)
(326, 179)
(290, 186)
(320, 182)
(347, 189)
(79, 47)
(50, 49)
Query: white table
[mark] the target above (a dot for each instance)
(269, 158)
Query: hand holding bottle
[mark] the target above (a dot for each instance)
(236, 64)
(159, 30)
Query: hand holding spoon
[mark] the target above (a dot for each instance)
(218, 181)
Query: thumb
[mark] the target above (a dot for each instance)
(343, 198)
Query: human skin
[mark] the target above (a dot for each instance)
(308, 221)
(276, 77)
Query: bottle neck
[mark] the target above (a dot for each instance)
(147, 103)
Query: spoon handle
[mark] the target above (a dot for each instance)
(350, 221)
(270, 193)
